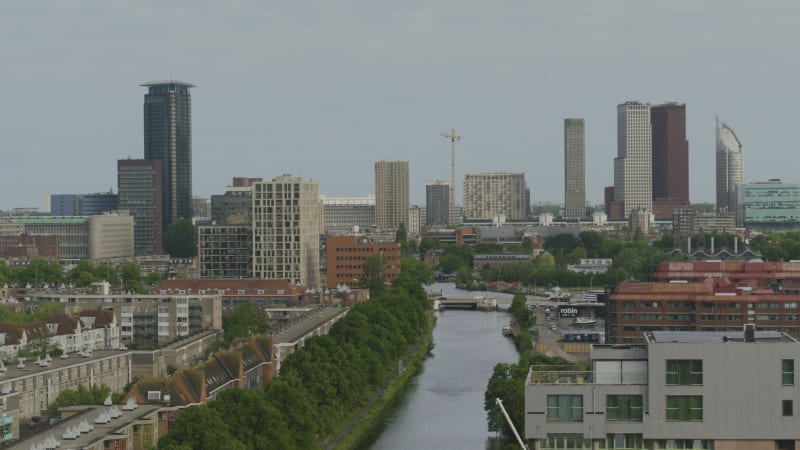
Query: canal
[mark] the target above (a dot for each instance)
(442, 407)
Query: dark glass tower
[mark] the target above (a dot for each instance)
(168, 138)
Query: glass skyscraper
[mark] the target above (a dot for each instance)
(168, 138)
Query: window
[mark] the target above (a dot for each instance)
(684, 372)
(787, 408)
(787, 369)
(685, 408)
(624, 407)
(568, 408)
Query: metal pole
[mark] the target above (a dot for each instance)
(511, 424)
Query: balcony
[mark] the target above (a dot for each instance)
(559, 376)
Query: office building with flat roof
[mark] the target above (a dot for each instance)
(768, 206)
(574, 169)
(633, 177)
(670, 159)
(437, 203)
(139, 187)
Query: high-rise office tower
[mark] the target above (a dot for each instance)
(168, 138)
(437, 203)
(286, 229)
(139, 191)
(391, 194)
(633, 176)
(730, 167)
(491, 195)
(574, 169)
(670, 159)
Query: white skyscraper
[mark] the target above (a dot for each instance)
(633, 166)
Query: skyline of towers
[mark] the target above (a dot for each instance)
(670, 165)
(168, 138)
(633, 177)
(286, 230)
(489, 195)
(574, 169)
(730, 166)
(437, 203)
(391, 194)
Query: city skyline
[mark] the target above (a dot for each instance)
(517, 67)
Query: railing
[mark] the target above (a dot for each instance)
(560, 377)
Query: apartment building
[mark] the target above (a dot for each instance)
(679, 390)
(148, 320)
(493, 195)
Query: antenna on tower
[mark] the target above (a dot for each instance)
(452, 204)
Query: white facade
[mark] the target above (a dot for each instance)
(633, 166)
(286, 230)
(493, 195)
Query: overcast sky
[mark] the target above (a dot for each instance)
(323, 89)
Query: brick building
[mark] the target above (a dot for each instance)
(713, 305)
(763, 273)
(264, 293)
(346, 255)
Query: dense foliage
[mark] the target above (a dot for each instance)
(320, 385)
(180, 239)
(40, 272)
(633, 258)
(245, 321)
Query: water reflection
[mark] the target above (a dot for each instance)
(442, 408)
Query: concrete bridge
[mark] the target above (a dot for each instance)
(477, 303)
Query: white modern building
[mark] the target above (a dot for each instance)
(344, 214)
(633, 166)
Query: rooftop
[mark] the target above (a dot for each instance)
(57, 363)
(710, 337)
(176, 82)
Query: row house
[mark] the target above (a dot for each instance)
(90, 330)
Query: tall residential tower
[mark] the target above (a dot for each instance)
(391, 194)
(730, 167)
(495, 195)
(168, 138)
(286, 229)
(574, 169)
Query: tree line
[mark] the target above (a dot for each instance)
(40, 272)
(319, 386)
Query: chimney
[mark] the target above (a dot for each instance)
(689, 245)
(712, 245)
(749, 332)
(735, 245)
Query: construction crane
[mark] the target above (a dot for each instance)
(452, 204)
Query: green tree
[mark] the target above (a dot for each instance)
(417, 269)
(373, 274)
(153, 278)
(180, 239)
(201, 428)
(245, 321)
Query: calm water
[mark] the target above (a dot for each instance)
(442, 407)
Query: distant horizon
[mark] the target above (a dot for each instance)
(323, 91)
